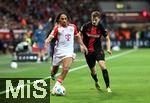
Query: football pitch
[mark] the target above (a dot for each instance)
(129, 71)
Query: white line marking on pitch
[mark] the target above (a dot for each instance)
(83, 66)
(108, 58)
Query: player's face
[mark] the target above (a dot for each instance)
(63, 20)
(95, 20)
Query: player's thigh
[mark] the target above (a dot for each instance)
(67, 62)
(56, 61)
(93, 70)
(100, 57)
(90, 60)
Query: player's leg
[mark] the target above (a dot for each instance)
(52, 45)
(54, 71)
(43, 54)
(91, 61)
(66, 65)
(105, 74)
(42, 51)
(56, 62)
(39, 52)
(95, 78)
(100, 57)
(39, 56)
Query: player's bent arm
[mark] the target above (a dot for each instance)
(82, 46)
(81, 36)
(108, 45)
(79, 40)
(48, 39)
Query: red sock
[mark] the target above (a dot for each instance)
(60, 80)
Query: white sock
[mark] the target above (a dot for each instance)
(57, 83)
(44, 58)
(39, 59)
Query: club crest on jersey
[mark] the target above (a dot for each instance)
(68, 36)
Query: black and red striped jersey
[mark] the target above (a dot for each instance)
(92, 35)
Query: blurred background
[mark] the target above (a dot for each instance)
(127, 21)
(24, 23)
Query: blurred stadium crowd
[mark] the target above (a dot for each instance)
(16, 14)
(20, 18)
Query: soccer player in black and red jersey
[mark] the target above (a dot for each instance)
(91, 33)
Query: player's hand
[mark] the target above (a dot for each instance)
(84, 49)
(47, 41)
(50, 19)
(109, 52)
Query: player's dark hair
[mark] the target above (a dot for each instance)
(96, 14)
(58, 16)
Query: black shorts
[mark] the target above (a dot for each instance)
(92, 57)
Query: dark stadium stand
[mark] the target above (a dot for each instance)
(124, 18)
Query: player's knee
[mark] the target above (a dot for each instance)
(93, 70)
(54, 69)
(66, 69)
(91, 66)
(102, 65)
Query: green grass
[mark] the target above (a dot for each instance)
(129, 76)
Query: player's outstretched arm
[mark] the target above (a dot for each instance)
(47, 25)
(82, 46)
(52, 35)
(108, 45)
(48, 39)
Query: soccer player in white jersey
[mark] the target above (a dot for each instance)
(64, 32)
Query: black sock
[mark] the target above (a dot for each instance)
(41, 58)
(94, 76)
(106, 77)
(53, 77)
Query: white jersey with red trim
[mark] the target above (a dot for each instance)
(65, 40)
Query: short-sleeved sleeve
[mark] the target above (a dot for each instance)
(75, 30)
(55, 32)
(103, 30)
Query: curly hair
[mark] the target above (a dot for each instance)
(58, 17)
